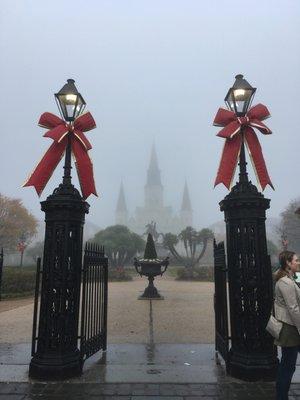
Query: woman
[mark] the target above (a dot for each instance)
(287, 310)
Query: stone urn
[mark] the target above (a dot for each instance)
(151, 266)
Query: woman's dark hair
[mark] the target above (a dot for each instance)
(284, 257)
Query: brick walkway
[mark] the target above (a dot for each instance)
(139, 391)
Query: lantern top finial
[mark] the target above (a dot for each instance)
(241, 83)
(69, 88)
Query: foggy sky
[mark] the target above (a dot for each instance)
(149, 71)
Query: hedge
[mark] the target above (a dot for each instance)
(18, 282)
(204, 274)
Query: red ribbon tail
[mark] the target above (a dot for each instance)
(228, 161)
(257, 159)
(43, 171)
(84, 168)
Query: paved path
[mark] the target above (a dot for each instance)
(153, 352)
(138, 391)
(136, 372)
(185, 315)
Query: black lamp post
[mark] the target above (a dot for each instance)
(252, 355)
(70, 104)
(57, 355)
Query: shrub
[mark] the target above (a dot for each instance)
(118, 275)
(17, 282)
(204, 274)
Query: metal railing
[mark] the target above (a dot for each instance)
(1, 271)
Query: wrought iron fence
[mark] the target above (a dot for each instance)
(1, 271)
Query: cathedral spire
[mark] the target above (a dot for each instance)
(121, 209)
(121, 204)
(186, 212)
(153, 174)
(186, 202)
(153, 188)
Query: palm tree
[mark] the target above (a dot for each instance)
(194, 243)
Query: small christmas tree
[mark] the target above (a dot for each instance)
(150, 251)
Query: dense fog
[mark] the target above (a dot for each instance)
(151, 73)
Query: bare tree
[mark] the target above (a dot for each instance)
(17, 224)
(289, 228)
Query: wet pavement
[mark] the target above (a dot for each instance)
(136, 372)
(140, 391)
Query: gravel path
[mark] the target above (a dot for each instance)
(185, 315)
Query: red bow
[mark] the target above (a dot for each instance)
(232, 127)
(59, 131)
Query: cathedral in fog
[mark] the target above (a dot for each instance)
(154, 209)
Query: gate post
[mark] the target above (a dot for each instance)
(57, 355)
(252, 355)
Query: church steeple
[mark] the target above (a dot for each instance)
(153, 173)
(153, 187)
(186, 202)
(186, 212)
(121, 209)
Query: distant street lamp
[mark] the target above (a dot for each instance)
(252, 355)
(55, 350)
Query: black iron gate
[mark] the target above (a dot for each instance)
(220, 301)
(93, 319)
(93, 330)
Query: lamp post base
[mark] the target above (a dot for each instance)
(252, 368)
(51, 367)
(147, 297)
